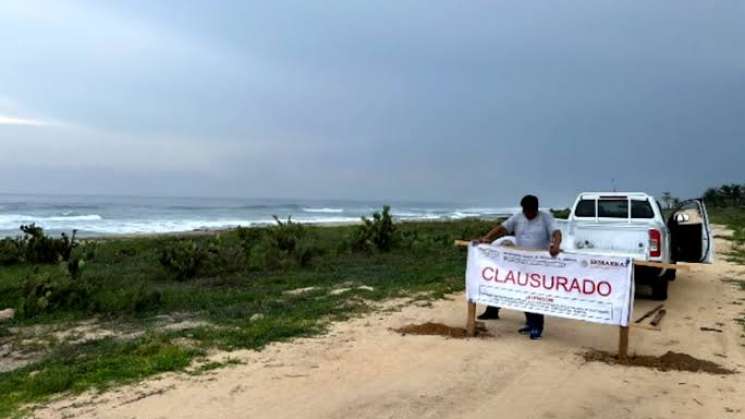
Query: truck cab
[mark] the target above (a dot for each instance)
(632, 224)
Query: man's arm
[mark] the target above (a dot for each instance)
(493, 234)
(555, 245)
(507, 227)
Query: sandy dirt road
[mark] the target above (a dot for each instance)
(361, 369)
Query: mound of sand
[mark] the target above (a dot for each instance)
(670, 361)
(439, 329)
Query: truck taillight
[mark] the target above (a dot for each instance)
(655, 243)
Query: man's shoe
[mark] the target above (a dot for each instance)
(535, 334)
(491, 313)
(524, 331)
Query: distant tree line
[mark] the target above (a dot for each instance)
(732, 195)
(669, 200)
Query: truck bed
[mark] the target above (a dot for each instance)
(608, 238)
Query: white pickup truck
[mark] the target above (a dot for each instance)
(632, 224)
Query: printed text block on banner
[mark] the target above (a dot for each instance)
(593, 288)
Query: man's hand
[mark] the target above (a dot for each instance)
(554, 249)
(480, 240)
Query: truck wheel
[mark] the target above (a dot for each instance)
(659, 289)
(669, 274)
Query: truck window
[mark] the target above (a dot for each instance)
(641, 209)
(585, 208)
(613, 208)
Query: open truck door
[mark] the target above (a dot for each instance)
(691, 239)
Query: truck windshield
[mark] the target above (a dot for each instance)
(613, 208)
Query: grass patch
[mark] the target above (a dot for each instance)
(214, 365)
(97, 364)
(733, 219)
(244, 305)
(737, 282)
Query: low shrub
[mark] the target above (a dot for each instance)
(286, 235)
(249, 237)
(88, 250)
(423, 242)
(188, 259)
(134, 299)
(36, 247)
(40, 248)
(11, 251)
(265, 256)
(281, 246)
(376, 234)
(561, 214)
(48, 292)
(305, 252)
(223, 257)
(183, 259)
(75, 267)
(475, 228)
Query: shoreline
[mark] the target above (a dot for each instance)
(209, 232)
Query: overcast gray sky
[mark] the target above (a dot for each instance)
(477, 101)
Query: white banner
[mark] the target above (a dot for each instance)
(593, 288)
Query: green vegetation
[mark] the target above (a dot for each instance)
(733, 219)
(97, 364)
(241, 289)
(36, 247)
(726, 205)
(376, 234)
(726, 196)
(561, 214)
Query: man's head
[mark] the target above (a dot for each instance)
(530, 206)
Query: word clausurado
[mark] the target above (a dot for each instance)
(577, 286)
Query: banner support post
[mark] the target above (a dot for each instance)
(623, 342)
(471, 319)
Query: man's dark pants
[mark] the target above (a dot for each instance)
(534, 321)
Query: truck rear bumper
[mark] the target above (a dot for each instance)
(647, 274)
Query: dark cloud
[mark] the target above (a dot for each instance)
(446, 101)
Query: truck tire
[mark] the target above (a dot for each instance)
(659, 289)
(670, 274)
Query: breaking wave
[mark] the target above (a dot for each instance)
(324, 210)
(127, 215)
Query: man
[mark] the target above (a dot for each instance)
(533, 229)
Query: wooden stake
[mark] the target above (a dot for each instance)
(658, 318)
(471, 319)
(649, 313)
(623, 342)
(659, 265)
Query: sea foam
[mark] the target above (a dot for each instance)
(324, 210)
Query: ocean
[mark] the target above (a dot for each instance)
(121, 215)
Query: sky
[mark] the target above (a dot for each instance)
(448, 101)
